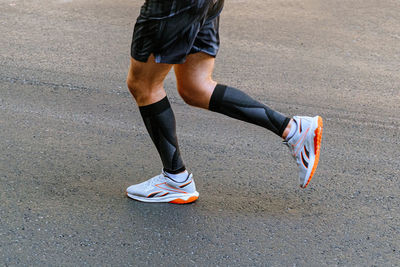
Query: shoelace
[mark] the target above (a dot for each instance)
(156, 180)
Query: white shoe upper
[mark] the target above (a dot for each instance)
(302, 146)
(161, 188)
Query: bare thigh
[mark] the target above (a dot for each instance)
(146, 80)
(194, 79)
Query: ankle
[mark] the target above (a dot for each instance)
(290, 130)
(178, 177)
(287, 129)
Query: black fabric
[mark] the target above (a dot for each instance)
(156, 108)
(216, 97)
(236, 104)
(159, 120)
(172, 29)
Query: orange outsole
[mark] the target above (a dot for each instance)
(175, 201)
(317, 142)
(181, 201)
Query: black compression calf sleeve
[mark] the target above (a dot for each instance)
(160, 123)
(236, 104)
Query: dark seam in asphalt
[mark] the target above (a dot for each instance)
(50, 84)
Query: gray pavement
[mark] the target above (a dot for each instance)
(72, 140)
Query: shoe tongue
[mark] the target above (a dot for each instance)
(158, 179)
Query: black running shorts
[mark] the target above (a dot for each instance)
(172, 29)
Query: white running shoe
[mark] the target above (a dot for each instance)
(305, 146)
(161, 188)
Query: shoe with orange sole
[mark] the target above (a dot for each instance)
(161, 188)
(305, 146)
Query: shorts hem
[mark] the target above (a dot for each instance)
(205, 51)
(166, 60)
(140, 58)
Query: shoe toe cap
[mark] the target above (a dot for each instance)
(303, 177)
(133, 190)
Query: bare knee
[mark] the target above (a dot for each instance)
(145, 80)
(134, 85)
(144, 88)
(186, 95)
(197, 95)
(145, 91)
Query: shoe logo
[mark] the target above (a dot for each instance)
(153, 194)
(307, 153)
(165, 186)
(184, 185)
(300, 142)
(305, 163)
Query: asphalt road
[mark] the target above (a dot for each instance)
(72, 139)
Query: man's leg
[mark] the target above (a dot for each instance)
(302, 134)
(197, 88)
(145, 82)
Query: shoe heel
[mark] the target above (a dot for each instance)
(182, 201)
